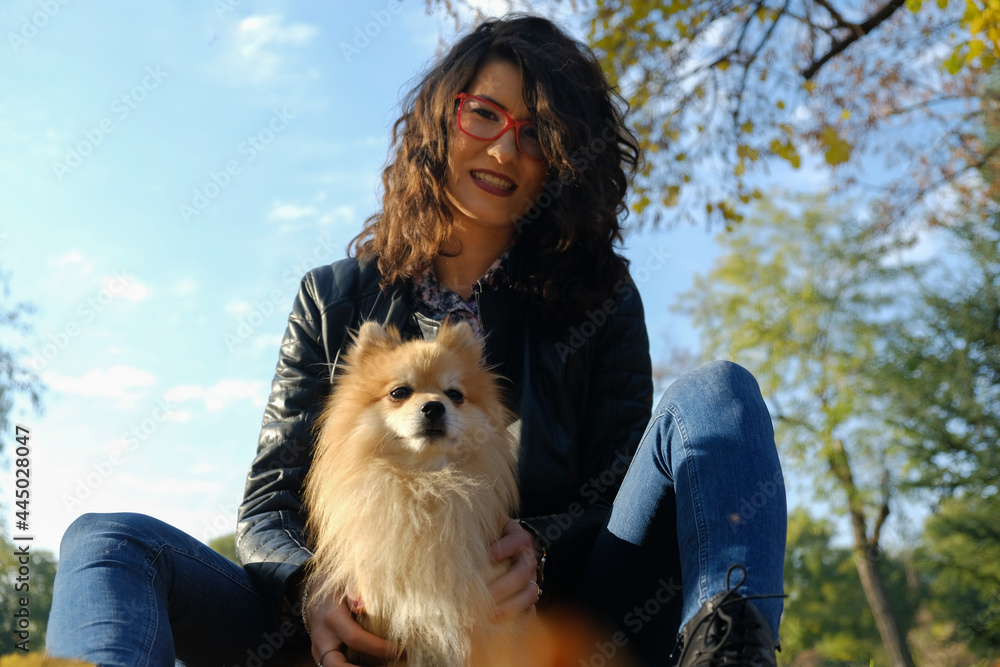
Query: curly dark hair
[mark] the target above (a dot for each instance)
(564, 256)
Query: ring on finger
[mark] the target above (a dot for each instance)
(538, 587)
(320, 663)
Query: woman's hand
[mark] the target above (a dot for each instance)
(515, 591)
(334, 629)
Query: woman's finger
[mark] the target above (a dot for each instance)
(512, 540)
(359, 639)
(523, 601)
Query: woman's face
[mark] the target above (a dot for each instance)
(492, 183)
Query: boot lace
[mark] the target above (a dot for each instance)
(733, 641)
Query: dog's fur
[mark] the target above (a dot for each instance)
(411, 482)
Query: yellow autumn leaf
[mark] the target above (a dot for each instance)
(673, 196)
(956, 61)
(976, 47)
(786, 151)
(780, 104)
(744, 152)
(723, 65)
(838, 150)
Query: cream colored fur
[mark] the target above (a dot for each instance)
(403, 518)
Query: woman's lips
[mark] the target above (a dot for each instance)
(493, 183)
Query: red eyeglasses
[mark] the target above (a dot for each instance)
(482, 119)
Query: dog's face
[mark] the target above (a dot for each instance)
(423, 400)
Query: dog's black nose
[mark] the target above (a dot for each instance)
(432, 409)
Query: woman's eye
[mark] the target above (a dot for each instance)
(400, 393)
(455, 395)
(485, 113)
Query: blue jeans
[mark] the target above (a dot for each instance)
(133, 591)
(704, 492)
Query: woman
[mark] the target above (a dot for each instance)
(501, 207)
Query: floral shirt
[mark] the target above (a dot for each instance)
(437, 301)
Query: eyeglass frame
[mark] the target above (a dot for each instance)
(516, 124)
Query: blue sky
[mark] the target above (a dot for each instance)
(168, 171)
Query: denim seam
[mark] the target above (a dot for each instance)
(155, 610)
(635, 455)
(699, 516)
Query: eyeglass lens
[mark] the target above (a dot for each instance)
(484, 120)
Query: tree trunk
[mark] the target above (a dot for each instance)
(865, 559)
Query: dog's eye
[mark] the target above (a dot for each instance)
(401, 393)
(455, 395)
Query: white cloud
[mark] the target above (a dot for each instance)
(186, 286)
(290, 212)
(260, 31)
(171, 487)
(220, 395)
(71, 259)
(116, 382)
(261, 46)
(125, 286)
(340, 215)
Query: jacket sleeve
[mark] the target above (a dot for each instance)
(618, 403)
(270, 539)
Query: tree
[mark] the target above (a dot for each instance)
(961, 557)
(15, 378)
(226, 546)
(722, 91)
(944, 370)
(799, 297)
(40, 577)
(942, 378)
(821, 614)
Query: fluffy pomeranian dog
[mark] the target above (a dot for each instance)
(413, 477)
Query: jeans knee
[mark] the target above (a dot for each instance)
(94, 531)
(720, 382)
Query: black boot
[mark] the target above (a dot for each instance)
(727, 631)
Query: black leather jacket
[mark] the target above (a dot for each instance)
(583, 394)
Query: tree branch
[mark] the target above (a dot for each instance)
(835, 15)
(860, 30)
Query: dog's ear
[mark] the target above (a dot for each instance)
(459, 336)
(371, 336)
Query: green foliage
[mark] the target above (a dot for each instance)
(799, 297)
(15, 378)
(961, 556)
(943, 370)
(720, 92)
(42, 573)
(942, 377)
(826, 612)
(226, 545)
